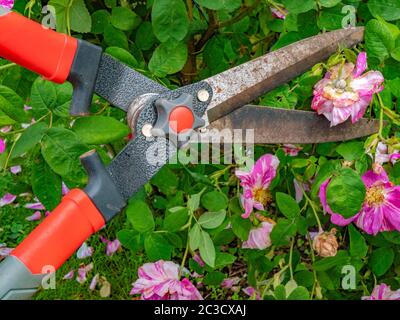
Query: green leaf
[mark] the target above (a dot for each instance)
(287, 205)
(140, 216)
(145, 38)
(130, 239)
(207, 249)
(296, 7)
(214, 201)
(170, 20)
(12, 105)
(214, 278)
(393, 236)
(358, 245)
(73, 13)
(380, 39)
(330, 262)
(29, 138)
(166, 181)
(346, 193)
(61, 148)
(168, 58)
(381, 260)
(331, 19)
(329, 3)
(351, 151)
(5, 120)
(241, 227)
(99, 129)
(212, 220)
(223, 259)
(283, 231)
(124, 19)
(386, 9)
(46, 185)
(114, 37)
(176, 218)
(157, 247)
(195, 237)
(300, 293)
(228, 5)
(100, 20)
(123, 56)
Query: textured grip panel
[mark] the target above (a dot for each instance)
(36, 48)
(61, 233)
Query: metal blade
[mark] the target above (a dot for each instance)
(273, 126)
(120, 85)
(243, 84)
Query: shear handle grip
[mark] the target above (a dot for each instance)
(34, 47)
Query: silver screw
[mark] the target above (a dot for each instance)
(146, 130)
(203, 95)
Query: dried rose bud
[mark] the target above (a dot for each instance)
(325, 244)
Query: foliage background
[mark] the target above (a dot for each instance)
(178, 42)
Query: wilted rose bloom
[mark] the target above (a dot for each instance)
(280, 14)
(345, 92)
(259, 238)
(291, 149)
(7, 199)
(381, 208)
(8, 4)
(2, 146)
(383, 292)
(325, 243)
(256, 183)
(160, 281)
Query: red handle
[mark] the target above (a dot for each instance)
(36, 48)
(61, 233)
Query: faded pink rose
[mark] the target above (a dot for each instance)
(381, 209)
(291, 150)
(383, 292)
(256, 183)
(160, 281)
(345, 92)
(259, 238)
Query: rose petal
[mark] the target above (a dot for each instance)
(7, 199)
(35, 217)
(84, 251)
(15, 169)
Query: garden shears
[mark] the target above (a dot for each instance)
(155, 114)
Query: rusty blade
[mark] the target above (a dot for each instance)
(243, 84)
(274, 126)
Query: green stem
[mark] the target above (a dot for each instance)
(10, 153)
(311, 203)
(381, 113)
(291, 258)
(187, 245)
(313, 260)
(10, 65)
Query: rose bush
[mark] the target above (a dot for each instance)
(290, 227)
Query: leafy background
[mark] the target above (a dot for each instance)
(178, 42)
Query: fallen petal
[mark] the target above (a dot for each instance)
(35, 217)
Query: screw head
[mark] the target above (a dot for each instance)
(146, 130)
(203, 95)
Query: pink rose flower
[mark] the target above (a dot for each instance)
(160, 281)
(394, 157)
(345, 92)
(383, 292)
(381, 209)
(256, 183)
(259, 238)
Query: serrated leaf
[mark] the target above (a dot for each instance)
(287, 205)
(140, 216)
(29, 138)
(168, 58)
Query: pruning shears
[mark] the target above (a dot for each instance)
(155, 114)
